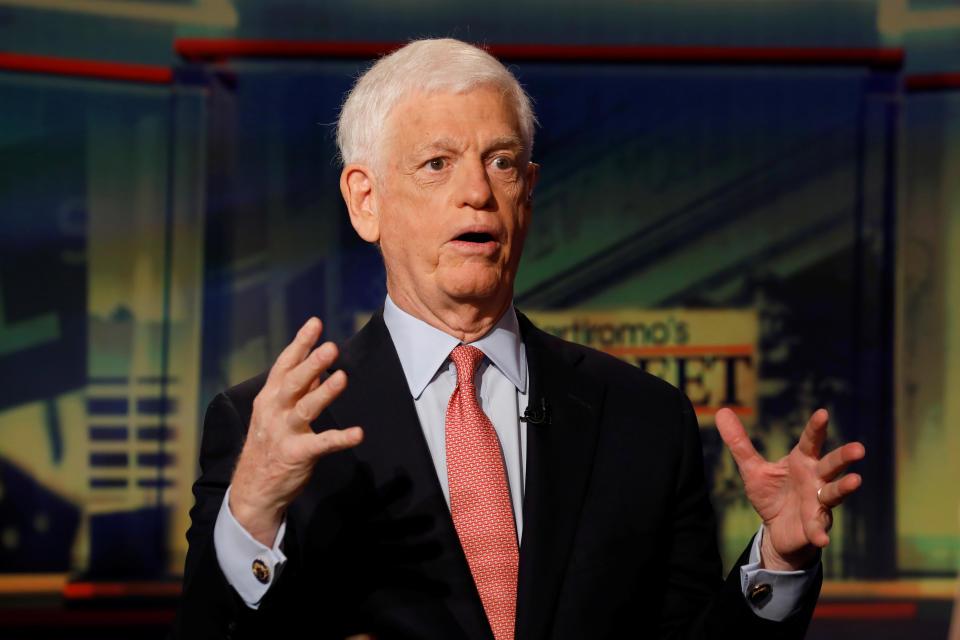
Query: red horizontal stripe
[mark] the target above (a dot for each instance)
(86, 68)
(933, 82)
(705, 55)
(65, 617)
(866, 610)
(217, 49)
(71, 617)
(87, 590)
(16, 617)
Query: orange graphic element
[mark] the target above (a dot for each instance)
(683, 350)
(740, 411)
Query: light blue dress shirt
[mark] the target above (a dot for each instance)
(501, 381)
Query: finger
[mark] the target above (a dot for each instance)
(296, 351)
(811, 440)
(833, 493)
(300, 378)
(310, 405)
(735, 437)
(332, 440)
(836, 462)
(816, 528)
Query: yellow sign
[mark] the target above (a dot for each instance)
(710, 355)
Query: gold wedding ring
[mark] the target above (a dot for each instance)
(820, 496)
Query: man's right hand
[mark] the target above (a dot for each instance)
(281, 448)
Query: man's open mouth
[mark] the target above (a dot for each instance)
(475, 237)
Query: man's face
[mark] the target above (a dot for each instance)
(454, 203)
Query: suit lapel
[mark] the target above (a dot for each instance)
(559, 463)
(377, 398)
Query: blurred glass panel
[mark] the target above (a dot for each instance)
(928, 353)
(97, 326)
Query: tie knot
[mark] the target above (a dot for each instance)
(466, 359)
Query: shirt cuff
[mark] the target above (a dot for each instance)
(773, 595)
(249, 566)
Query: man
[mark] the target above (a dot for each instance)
(478, 478)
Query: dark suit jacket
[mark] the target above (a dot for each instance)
(619, 537)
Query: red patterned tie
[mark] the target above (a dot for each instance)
(480, 497)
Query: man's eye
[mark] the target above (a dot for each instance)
(503, 163)
(437, 164)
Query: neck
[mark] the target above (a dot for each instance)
(467, 321)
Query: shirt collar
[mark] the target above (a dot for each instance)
(423, 349)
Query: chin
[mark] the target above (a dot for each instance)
(481, 290)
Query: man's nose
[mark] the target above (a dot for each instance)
(473, 185)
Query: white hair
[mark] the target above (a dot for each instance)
(428, 66)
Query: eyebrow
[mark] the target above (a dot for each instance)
(502, 142)
(439, 144)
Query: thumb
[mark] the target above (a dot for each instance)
(735, 437)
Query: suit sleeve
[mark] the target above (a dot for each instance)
(209, 606)
(693, 606)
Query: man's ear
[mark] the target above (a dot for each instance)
(357, 184)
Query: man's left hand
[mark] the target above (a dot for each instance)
(793, 495)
